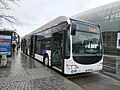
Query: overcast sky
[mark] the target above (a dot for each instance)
(34, 13)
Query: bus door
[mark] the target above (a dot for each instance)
(57, 50)
(32, 46)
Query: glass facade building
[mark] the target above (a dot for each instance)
(108, 17)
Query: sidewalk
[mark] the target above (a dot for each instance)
(113, 64)
(25, 73)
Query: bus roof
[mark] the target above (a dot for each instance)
(54, 22)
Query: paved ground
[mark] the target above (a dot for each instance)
(24, 73)
(112, 66)
(96, 81)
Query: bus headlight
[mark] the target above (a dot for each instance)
(72, 66)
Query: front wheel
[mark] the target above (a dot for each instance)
(46, 60)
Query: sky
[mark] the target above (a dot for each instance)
(32, 14)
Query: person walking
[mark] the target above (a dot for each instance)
(18, 47)
(13, 47)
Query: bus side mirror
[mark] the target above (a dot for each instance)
(68, 26)
(73, 29)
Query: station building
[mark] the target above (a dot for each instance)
(108, 17)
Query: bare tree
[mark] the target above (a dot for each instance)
(4, 7)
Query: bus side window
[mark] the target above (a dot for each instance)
(56, 45)
(47, 45)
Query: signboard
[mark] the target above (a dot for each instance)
(118, 40)
(5, 44)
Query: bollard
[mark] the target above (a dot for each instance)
(3, 61)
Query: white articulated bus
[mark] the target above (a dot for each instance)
(67, 45)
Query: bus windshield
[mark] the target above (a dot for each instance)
(86, 43)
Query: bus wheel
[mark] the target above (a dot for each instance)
(46, 60)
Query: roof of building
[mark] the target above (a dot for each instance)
(107, 16)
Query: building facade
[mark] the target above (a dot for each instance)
(108, 17)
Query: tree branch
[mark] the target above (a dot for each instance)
(5, 5)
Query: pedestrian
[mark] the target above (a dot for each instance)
(18, 47)
(13, 47)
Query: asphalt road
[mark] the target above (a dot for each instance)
(95, 81)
